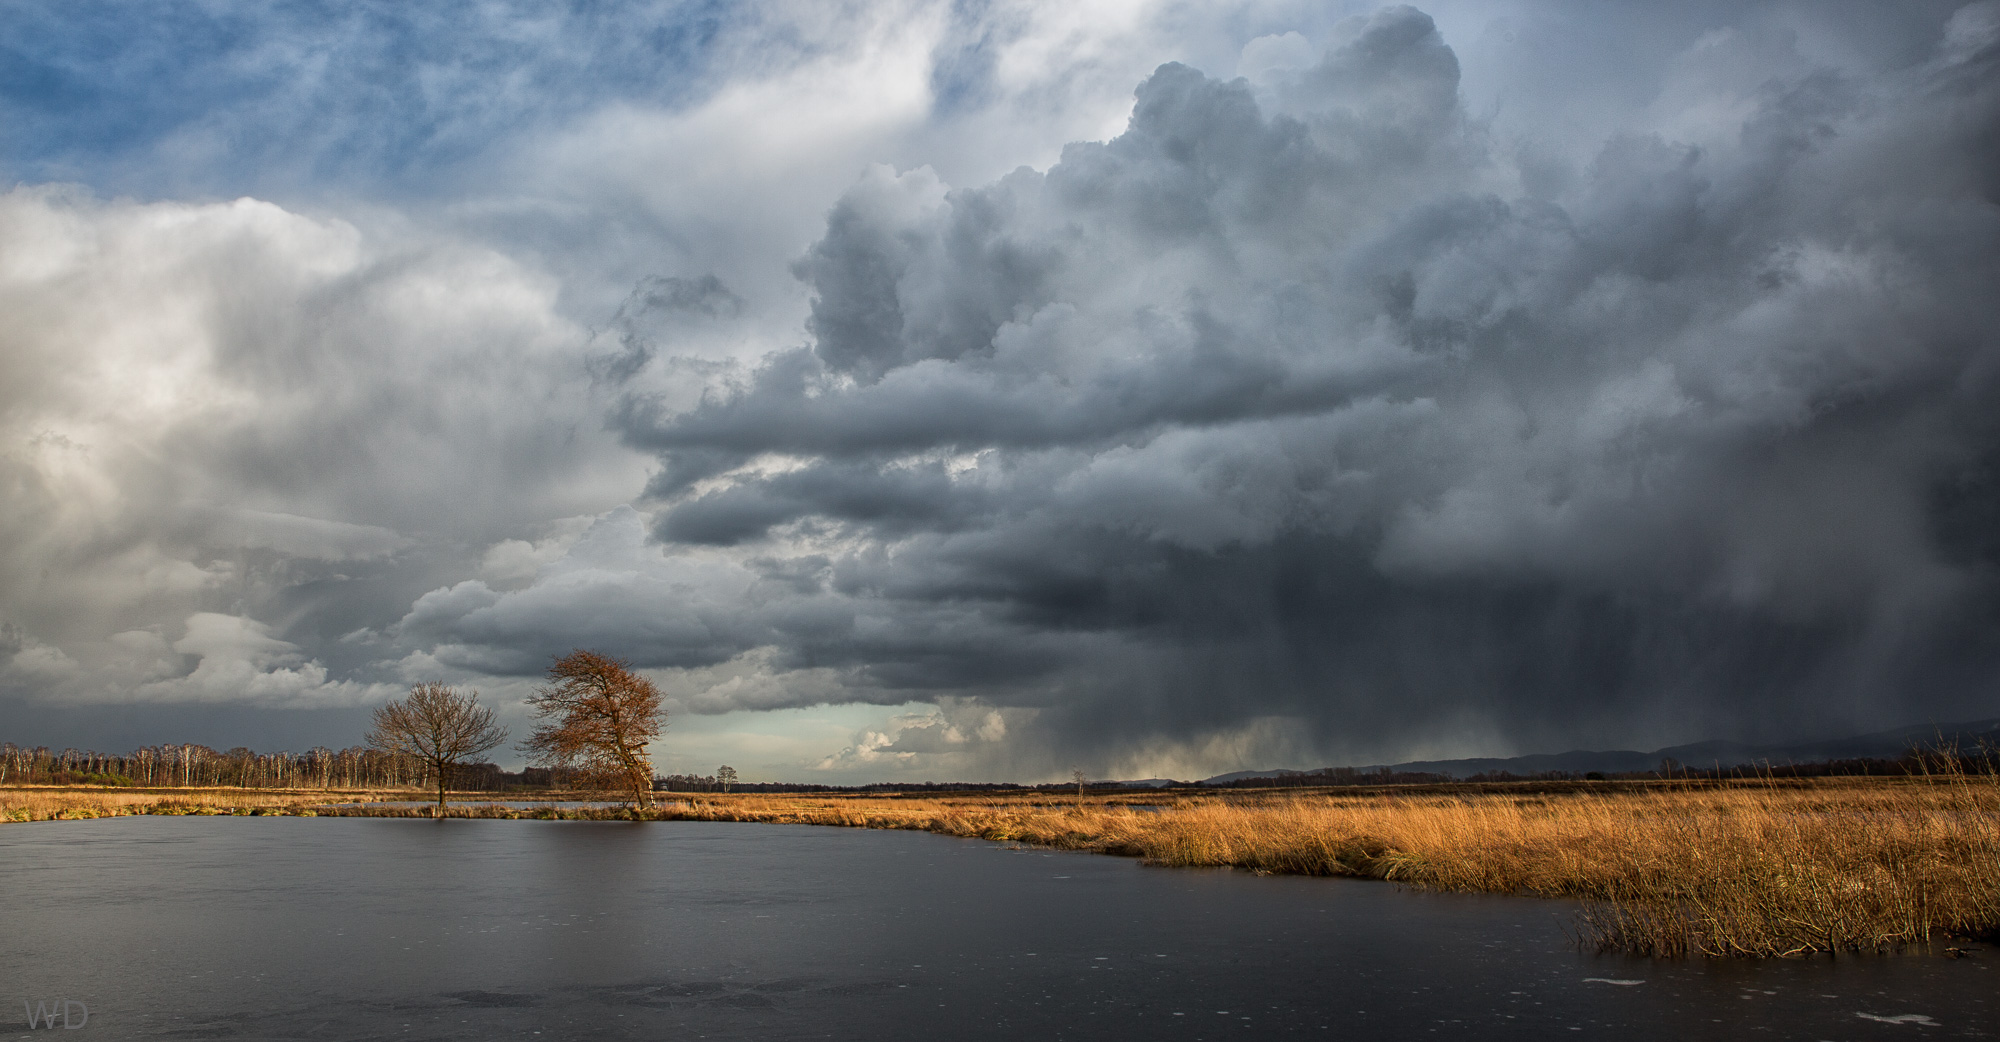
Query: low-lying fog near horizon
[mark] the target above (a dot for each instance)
(970, 390)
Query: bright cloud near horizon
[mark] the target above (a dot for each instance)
(970, 391)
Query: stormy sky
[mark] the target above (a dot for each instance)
(973, 390)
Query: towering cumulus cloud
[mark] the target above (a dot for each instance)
(192, 397)
(1312, 413)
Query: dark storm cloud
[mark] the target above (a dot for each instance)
(909, 498)
(657, 306)
(1575, 373)
(1316, 397)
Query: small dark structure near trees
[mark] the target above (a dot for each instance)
(439, 726)
(602, 714)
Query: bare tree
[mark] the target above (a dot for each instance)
(603, 716)
(726, 775)
(437, 725)
(1076, 774)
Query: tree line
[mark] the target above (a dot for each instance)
(597, 719)
(199, 766)
(189, 765)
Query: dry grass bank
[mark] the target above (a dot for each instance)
(1752, 869)
(1762, 868)
(70, 803)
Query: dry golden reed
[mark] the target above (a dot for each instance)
(1761, 868)
(63, 803)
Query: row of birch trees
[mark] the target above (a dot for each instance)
(191, 765)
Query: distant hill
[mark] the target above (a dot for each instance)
(1879, 744)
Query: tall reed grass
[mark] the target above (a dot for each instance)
(1761, 869)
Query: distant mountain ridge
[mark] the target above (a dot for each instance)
(1879, 744)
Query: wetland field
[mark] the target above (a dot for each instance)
(278, 926)
(1743, 868)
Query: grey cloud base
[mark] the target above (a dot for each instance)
(1314, 414)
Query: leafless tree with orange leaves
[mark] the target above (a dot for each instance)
(602, 715)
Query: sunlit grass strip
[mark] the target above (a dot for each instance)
(52, 803)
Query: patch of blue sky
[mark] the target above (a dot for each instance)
(373, 98)
(963, 63)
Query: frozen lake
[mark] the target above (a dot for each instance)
(346, 928)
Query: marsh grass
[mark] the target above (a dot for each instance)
(1757, 869)
(1761, 868)
(21, 803)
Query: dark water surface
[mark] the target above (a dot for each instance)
(356, 928)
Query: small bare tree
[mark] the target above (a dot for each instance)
(604, 714)
(1076, 774)
(726, 775)
(438, 725)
